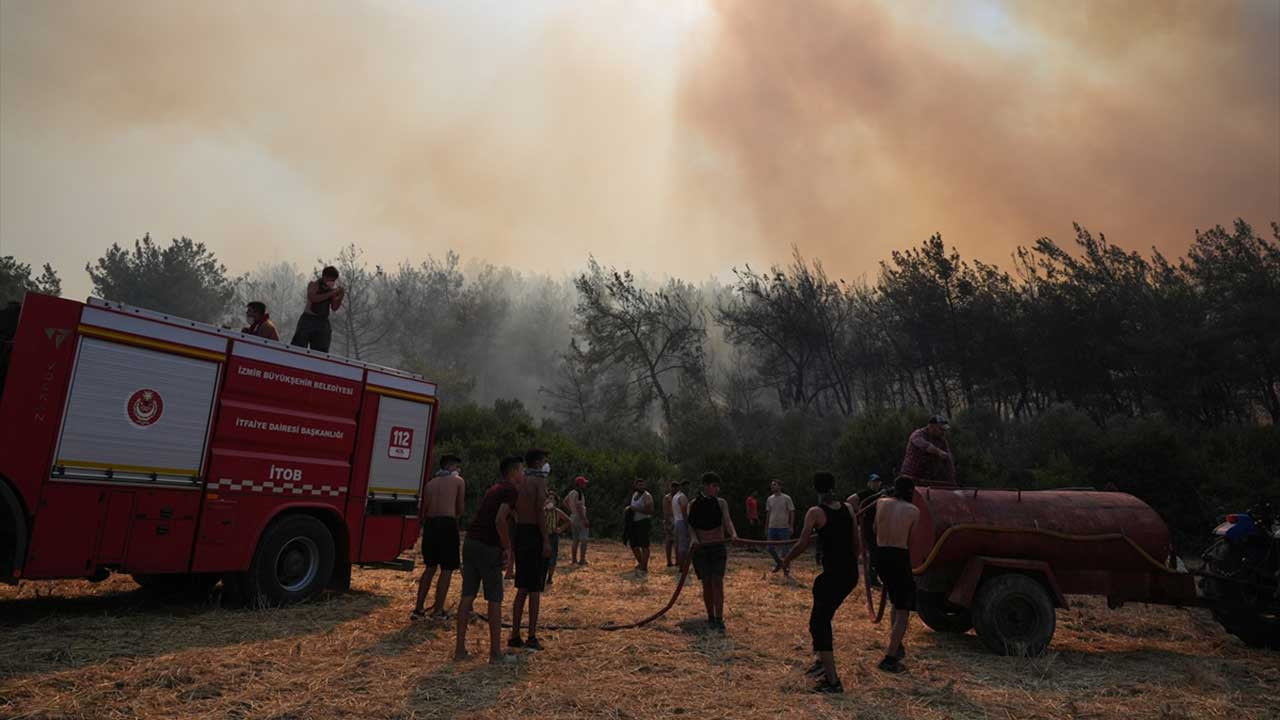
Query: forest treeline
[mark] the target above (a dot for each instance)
(1079, 364)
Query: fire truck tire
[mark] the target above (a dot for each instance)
(942, 616)
(293, 562)
(1013, 615)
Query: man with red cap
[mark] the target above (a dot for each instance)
(576, 503)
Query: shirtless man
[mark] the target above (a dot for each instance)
(443, 501)
(324, 295)
(895, 518)
(532, 546)
(711, 530)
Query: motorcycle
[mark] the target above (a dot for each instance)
(1240, 579)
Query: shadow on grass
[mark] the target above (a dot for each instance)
(461, 687)
(54, 634)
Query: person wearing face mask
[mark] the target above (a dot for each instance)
(323, 296)
(260, 324)
(532, 546)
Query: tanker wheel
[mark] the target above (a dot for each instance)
(941, 615)
(293, 562)
(1013, 615)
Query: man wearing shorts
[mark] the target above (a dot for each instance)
(895, 517)
(533, 548)
(641, 507)
(781, 517)
(485, 554)
(443, 501)
(576, 502)
(712, 527)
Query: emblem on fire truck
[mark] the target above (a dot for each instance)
(144, 407)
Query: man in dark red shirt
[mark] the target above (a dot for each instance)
(486, 552)
(753, 514)
(928, 457)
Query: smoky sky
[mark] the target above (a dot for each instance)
(676, 138)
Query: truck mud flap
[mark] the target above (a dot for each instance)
(400, 564)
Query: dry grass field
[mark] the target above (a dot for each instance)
(77, 650)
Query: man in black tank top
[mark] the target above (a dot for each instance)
(323, 295)
(833, 521)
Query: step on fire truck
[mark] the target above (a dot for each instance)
(182, 454)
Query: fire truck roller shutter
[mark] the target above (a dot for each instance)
(399, 447)
(136, 412)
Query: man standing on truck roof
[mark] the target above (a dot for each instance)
(895, 518)
(532, 546)
(928, 457)
(323, 295)
(485, 553)
(260, 324)
(443, 502)
(576, 502)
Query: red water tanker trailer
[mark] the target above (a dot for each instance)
(1002, 561)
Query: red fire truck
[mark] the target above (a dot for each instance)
(181, 453)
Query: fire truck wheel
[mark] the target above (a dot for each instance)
(940, 615)
(294, 561)
(1013, 615)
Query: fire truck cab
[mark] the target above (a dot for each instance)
(182, 454)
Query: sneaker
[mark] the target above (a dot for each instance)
(889, 664)
(815, 669)
(829, 688)
(718, 624)
(442, 615)
(532, 644)
(515, 642)
(417, 615)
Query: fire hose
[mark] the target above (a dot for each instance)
(684, 575)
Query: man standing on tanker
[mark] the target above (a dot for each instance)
(485, 553)
(713, 529)
(443, 502)
(532, 547)
(895, 518)
(928, 457)
(323, 295)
